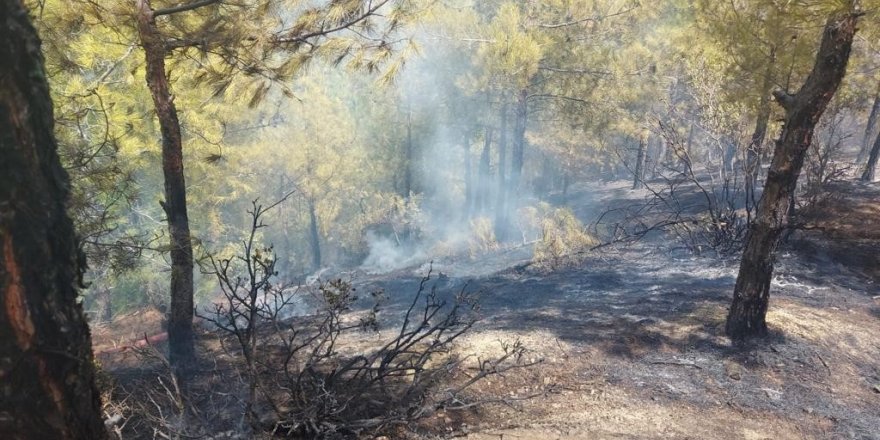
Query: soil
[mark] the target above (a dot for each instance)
(631, 339)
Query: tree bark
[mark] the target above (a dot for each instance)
(314, 235)
(468, 176)
(501, 204)
(105, 301)
(756, 144)
(748, 311)
(871, 165)
(408, 158)
(483, 181)
(640, 164)
(181, 352)
(869, 128)
(47, 387)
(519, 140)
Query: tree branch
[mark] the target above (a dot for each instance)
(323, 32)
(184, 7)
(785, 99)
(584, 20)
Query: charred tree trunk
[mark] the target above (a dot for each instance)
(871, 166)
(47, 386)
(314, 235)
(747, 315)
(501, 204)
(640, 164)
(181, 352)
(869, 128)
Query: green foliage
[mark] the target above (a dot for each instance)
(266, 113)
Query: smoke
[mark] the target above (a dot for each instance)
(386, 254)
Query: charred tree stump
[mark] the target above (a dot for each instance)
(747, 315)
(47, 387)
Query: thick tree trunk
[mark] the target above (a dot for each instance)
(180, 321)
(640, 164)
(314, 236)
(501, 204)
(869, 128)
(47, 387)
(871, 165)
(747, 316)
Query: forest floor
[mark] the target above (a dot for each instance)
(632, 339)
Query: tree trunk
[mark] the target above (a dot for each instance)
(640, 164)
(483, 180)
(314, 236)
(869, 128)
(468, 177)
(105, 299)
(690, 142)
(753, 152)
(408, 158)
(47, 387)
(747, 315)
(519, 140)
(871, 166)
(181, 352)
(565, 183)
(501, 205)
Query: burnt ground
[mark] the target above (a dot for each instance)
(633, 346)
(632, 338)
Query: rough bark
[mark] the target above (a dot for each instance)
(871, 165)
(181, 352)
(747, 315)
(47, 388)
